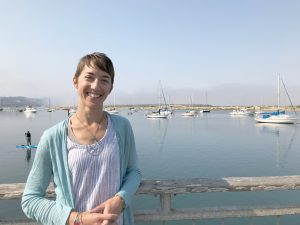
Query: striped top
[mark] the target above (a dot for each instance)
(94, 170)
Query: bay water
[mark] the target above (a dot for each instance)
(212, 145)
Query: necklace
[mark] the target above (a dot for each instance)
(86, 127)
(95, 148)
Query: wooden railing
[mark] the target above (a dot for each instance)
(166, 189)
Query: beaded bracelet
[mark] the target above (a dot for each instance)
(77, 220)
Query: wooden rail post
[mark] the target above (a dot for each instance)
(165, 203)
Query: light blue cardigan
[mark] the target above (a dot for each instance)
(51, 160)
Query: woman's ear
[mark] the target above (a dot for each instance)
(75, 82)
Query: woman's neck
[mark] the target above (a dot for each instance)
(88, 116)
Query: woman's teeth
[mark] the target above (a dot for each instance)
(93, 95)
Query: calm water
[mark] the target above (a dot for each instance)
(212, 145)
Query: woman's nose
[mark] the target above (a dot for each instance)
(95, 84)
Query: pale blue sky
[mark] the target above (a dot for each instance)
(232, 50)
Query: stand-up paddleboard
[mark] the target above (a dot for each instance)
(26, 146)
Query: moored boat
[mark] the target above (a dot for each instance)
(278, 116)
(157, 115)
(30, 109)
(204, 111)
(240, 112)
(113, 111)
(190, 113)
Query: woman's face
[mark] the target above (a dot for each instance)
(93, 86)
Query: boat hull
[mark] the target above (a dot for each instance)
(30, 111)
(277, 119)
(156, 116)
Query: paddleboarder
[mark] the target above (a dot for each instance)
(28, 138)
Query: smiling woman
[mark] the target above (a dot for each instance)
(91, 157)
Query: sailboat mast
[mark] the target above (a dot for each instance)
(163, 95)
(114, 100)
(278, 92)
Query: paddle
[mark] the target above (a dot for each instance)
(26, 146)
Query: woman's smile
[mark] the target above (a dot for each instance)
(93, 95)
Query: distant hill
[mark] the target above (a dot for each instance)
(20, 101)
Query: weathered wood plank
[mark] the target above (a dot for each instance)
(196, 185)
(216, 213)
(202, 213)
(20, 222)
(15, 191)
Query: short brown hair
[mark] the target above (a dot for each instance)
(100, 60)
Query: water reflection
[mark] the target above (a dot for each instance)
(159, 129)
(28, 154)
(284, 136)
(29, 115)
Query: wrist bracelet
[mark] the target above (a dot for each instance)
(77, 220)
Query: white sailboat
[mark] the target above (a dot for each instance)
(162, 112)
(240, 112)
(156, 115)
(205, 110)
(278, 116)
(30, 109)
(113, 110)
(50, 109)
(191, 112)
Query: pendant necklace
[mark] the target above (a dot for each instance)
(96, 147)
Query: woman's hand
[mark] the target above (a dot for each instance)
(89, 218)
(113, 205)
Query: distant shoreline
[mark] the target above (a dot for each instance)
(197, 107)
(201, 107)
(154, 107)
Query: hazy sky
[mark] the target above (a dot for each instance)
(231, 50)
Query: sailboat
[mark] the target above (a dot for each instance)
(240, 112)
(190, 112)
(113, 110)
(156, 115)
(30, 109)
(278, 116)
(50, 109)
(162, 112)
(205, 110)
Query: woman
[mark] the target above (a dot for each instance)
(91, 157)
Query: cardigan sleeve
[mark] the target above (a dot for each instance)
(132, 178)
(34, 203)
